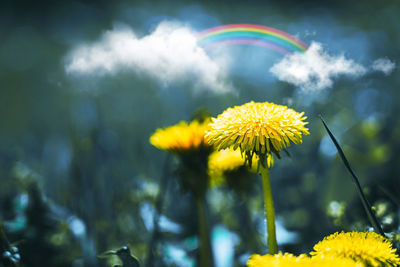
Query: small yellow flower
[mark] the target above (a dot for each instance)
(368, 248)
(181, 137)
(221, 162)
(284, 260)
(289, 260)
(257, 128)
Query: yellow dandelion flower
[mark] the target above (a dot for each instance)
(290, 260)
(322, 261)
(188, 142)
(181, 137)
(279, 259)
(259, 128)
(221, 162)
(368, 248)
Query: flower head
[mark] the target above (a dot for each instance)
(368, 248)
(181, 137)
(222, 162)
(257, 128)
(279, 259)
(289, 260)
(187, 141)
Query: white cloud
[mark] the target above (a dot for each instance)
(314, 69)
(169, 54)
(384, 65)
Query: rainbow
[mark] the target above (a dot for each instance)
(251, 34)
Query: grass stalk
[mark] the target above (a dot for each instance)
(367, 206)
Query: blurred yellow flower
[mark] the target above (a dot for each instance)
(289, 260)
(368, 248)
(259, 128)
(181, 137)
(221, 162)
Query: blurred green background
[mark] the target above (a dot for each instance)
(79, 177)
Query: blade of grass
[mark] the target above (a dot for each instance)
(371, 216)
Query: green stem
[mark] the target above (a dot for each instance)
(206, 257)
(269, 211)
